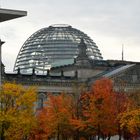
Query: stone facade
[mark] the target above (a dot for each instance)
(79, 76)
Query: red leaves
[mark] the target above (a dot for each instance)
(100, 108)
(96, 112)
(54, 118)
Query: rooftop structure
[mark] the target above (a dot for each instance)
(53, 46)
(8, 14)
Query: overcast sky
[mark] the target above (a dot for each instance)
(110, 23)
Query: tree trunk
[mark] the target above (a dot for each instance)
(119, 132)
(58, 133)
(109, 138)
(77, 135)
(98, 132)
(120, 137)
(2, 137)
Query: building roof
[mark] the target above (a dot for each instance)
(118, 70)
(8, 14)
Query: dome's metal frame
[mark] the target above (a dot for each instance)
(55, 45)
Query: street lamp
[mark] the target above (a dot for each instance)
(1, 43)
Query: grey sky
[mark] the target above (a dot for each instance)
(110, 23)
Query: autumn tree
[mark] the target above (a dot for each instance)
(97, 107)
(54, 118)
(100, 108)
(129, 119)
(16, 111)
(130, 123)
(122, 104)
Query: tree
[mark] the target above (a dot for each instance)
(54, 118)
(123, 104)
(100, 109)
(17, 116)
(97, 110)
(129, 119)
(130, 123)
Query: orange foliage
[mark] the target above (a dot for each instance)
(54, 117)
(94, 113)
(130, 122)
(100, 108)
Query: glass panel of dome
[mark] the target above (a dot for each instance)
(55, 42)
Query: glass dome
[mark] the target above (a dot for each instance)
(55, 45)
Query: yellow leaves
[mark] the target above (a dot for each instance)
(13, 89)
(130, 121)
(17, 110)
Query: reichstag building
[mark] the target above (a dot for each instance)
(61, 58)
